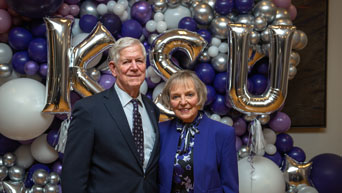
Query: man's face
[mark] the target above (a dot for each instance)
(130, 69)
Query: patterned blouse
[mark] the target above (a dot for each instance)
(183, 178)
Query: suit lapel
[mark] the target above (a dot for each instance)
(114, 107)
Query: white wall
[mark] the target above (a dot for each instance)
(329, 139)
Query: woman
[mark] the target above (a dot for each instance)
(197, 154)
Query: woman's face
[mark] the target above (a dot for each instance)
(184, 100)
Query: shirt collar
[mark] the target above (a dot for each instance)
(124, 97)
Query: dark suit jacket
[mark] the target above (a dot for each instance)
(214, 157)
(100, 154)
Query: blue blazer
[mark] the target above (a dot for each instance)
(215, 158)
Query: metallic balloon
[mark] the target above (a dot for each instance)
(14, 187)
(220, 62)
(210, 2)
(255, 37)
(296, 173)
(274, 97)
(187, 3)
(232, 16)
(282, 14)
(1, 161)
(264, 119)
(94, 74)
(151, 38)
(3, 172)
(88, 8)
(173, 3)
(203, 13)
(40, 177)
(301, 40)
(249, 117)
(265, 8)
(282, 22)
(53, 178)
(260, 23)
(51, 188)
(159, 6)
(37, 189)
(204, 57)
(245, 19)
(265, 35)
(219, 27)
(16, 173)
(244, 151)
(292, 72)
(9, 159)
(5, 70)
(294, 58)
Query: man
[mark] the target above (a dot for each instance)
(101, 154)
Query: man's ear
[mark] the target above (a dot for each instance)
(112, 67)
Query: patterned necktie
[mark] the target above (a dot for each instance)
(138, 132)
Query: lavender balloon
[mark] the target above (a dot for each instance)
(281, 122)
(107, 81)
(31, 67)
(43, 70)
(240, 126)
(57, 167)
(141, 11)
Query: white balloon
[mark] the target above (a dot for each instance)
(223, 47)
(161, 26)
(213, 51)
(76, 27)
(260, 175)
(124, 16)
(215, 41)
(151, 26)
(22, 101)
(215, 117)
(157, 90)
(5, 53)
(172, 16)
(270, 149)
(42, 151)
(124, 3)
(144, 87)
(269, 135)
(102, 9)
(13, 75)
(155, 79)
(110, 6)
(151, 72)
(308, 189)
(159, 16)
(118, 9)
(227, 120)
(24, 156)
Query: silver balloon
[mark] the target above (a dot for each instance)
(187, 3)
(40, 177)
(88, 8)
(260, 23)
(203, 14)
(5, 70)
(292, 72)
(220, 62)
(294, 58)
(37, 189)
(53, 178)
(274, 97)
(232, 16)
(249, 117)
(255, 37)
(204, 57)
(16, 173)
(282, 14)
(265, 8)
(295, 39)
(1, 161)
(302, 40)
(282, 22)
(173, 3)
(3, 172)
(210, 2)
(94, 74)
(159, 6)
(296, 173)
(9, 159)
(151, 38)
(264, 119)
(265, 35)
(243, 152)
(51, 188)
(245, 19)
(219, 27)
(14, 187)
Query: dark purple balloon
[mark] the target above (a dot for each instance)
(52, 137)
(224, 7)
(29, 182)
(220, 82)
(112, 22)
(187, 23)
(240, 126)
(107, 81)
(249, 85)
(60, 156)
(205, 72)
(297, 153)
(38, 29)
(211, 95)
(245, 138)
(205, 34)
(38, 50)
(87, 23)
(244, 6)
(74, 97)
(43, 70)
(19, 38)
(280, 122)
(218, 106)
(284, 142)
(150, 84)
(19, 60)
(35, 8)
(262, 67)
(238, 143)
(259, 83)
(72, 2)
(141, 11)
(131, 28)
(7, 145)
(57, 167)
(326, 173)
(31, 67)
(25, 142)
(276, 158)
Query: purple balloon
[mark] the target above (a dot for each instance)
(211, 95)
(220, 82)
(150, 84)
(19, 38)
(87, 23)
(43, 70)
(187, 23)
(244, 6)
(29, 182)
(72, 2)
(25, 142)
(205, 72)
(35, 8)
(259, 83)
(326, 173)
(60, 156)
(112, 22)
(7, 145)
(284, 142)
(38, 50)
(141, 11)
(276, 158)
(281, 122)
(19, 60)
(74, 97)
(31, 67)
(238, 143)
(52, 137)
(249, 85)
(224, 7)
(240, 126)
(245, 138)
(205, 34)
(38, 29)
(262, 67)
(57, 167)
(218, 106)
(131, 28)
(297, 154)
(107, 81)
